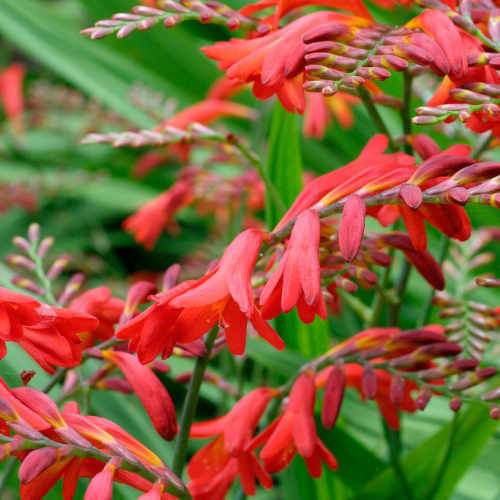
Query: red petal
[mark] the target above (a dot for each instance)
(352, 227)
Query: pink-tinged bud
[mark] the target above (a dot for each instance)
(41, 404)
(352, 227)
(373, 73)
(171, 277)
(411, 195)
(468, 96)
(115, 384)
(35, 463)
(330, 31)
(58, 267)
(34, 232)
(397, 390)
(455, 404)
(27, 284)
(143, 10)
(490, 89)
(426, 120)
(458, 195)
(334, 395)
(153, 395)
(26, 376)
(474, 378)
(488, 282)
(369, 382)
(424, 146)
(155, 493)
(491, 395)
(495, 413)
(125, 30)
(423, 399)
(438, 166)
(16, 260)
(71, 381)
(45, 246)
(21, 243)
(72, 286)
(137, 294)
(101, 485)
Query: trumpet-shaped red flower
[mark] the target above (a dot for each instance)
(274, 62)
(56, 340)
(16, 311)
(147, 224)
(216, 466)
(295, 431)
(102, 305)
(296, 281)
(224, 296)
(152, 393)
(388, 408)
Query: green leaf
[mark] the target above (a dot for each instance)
(422, 465)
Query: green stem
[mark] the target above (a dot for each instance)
(482, 145)
(400, 288)
(393, 439)
(42, 277)
(444, 464)
(190, 404)
(443, 251)
(375, 116)
(405, 111)
(4, 479)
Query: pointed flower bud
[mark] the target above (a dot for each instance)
(334, 395)
(455, 404)
(411, 195)
(369, 382)
(101, 485)
(352, 227)
(36, 462)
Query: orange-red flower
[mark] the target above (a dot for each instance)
(274, 62)
(216, 465)
(223, 297)
(295, 432)
(102, 305)
(296, 280)
(147, 224)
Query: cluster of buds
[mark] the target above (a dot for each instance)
(169, 13)
(469, 321)
(479, 18)
(30, 269)
(68, 445)
(341, 58)
(479, 98)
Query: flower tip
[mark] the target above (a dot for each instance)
(352, 227)
(411, 195)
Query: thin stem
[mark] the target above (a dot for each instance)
(393, 439)
(190, 404)
(375, 116)
(42, 277)
(405, 111)
(482, 145)
(8, 470)
(444, 464)
(55, 379)
(443, 252)
(400, 288)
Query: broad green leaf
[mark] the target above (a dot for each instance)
(423, 465)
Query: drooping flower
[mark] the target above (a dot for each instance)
(218, 464)
(147, 224)
(102, 305)
(152, 393)
(101, 485)
(296, 280)
(295, 432)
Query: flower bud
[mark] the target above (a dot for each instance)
(352, 227)
(423, 398)
(455, 404)
(34, 232)
(369, 382)
(411, 195)
(397, 390)
(334, 395)
(35, 463)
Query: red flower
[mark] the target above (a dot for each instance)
(223, 296)
(102, 305)
(296, 281)
(153, 395)
(274, 62)
(215, 466)
(101, 485)
(11, 95)
(147, 224)
(16, 310)
(57, 339)
(295, 431)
